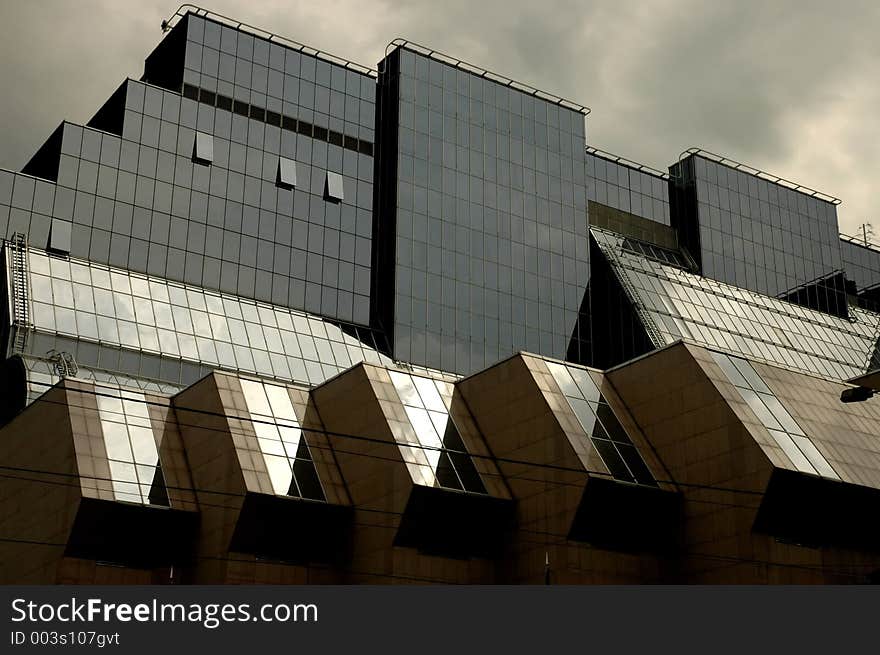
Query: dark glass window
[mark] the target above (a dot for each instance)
(601, 424)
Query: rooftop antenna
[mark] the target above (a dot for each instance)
(867, 230)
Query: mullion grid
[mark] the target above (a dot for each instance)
(776, 218)
(243, 175)
(773, 416)
(282, 441)
(153, 315)
(580, 391)
(811, 341)
(130, 446)
(304, 108)
(416, 400)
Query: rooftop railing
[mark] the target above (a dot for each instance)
(460, 64)
(769, 177)
(185, 9)
(871, 242)
(623, 161)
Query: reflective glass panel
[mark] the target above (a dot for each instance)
(442, 446)
(288, 461)
(772, 414)
(601, 424)
(130, 442)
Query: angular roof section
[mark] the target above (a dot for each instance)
(115, 307)
(675, 304)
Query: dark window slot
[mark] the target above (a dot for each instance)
(224, 102)
(190, 91)
(207, 97)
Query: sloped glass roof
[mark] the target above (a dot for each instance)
(118, 308)
(675, 304)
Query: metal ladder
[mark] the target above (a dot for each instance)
(20, 291)
(629, 289)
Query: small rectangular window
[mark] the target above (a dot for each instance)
(286, 176)
(59, 236)
(224, 102)
(333, 189)
(203, 148)
(207, 97)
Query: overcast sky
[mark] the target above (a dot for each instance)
(788, 87)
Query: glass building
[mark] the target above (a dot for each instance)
(758, 231)
(481, 224)
(414, 322)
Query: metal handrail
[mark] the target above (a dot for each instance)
(455, 62)
(731, 163)
(860, 241)
(623, 161)
(185, 9)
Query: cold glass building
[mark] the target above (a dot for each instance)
(410, 324)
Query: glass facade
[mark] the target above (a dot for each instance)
(482, 222)
(135, 469)
(756, 234)
(779, 423)
(676, 304)
(282, 442)
(862, 266)
(440, 457)
(601, 426)
(26, 206)
(626, 186)
(143, 324)
(140, 199)
(259, 272)
(281, 79)
(225, 204)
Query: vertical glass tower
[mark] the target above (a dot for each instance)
(481, 237)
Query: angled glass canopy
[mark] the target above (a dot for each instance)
(117, 308)
(720, 316)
